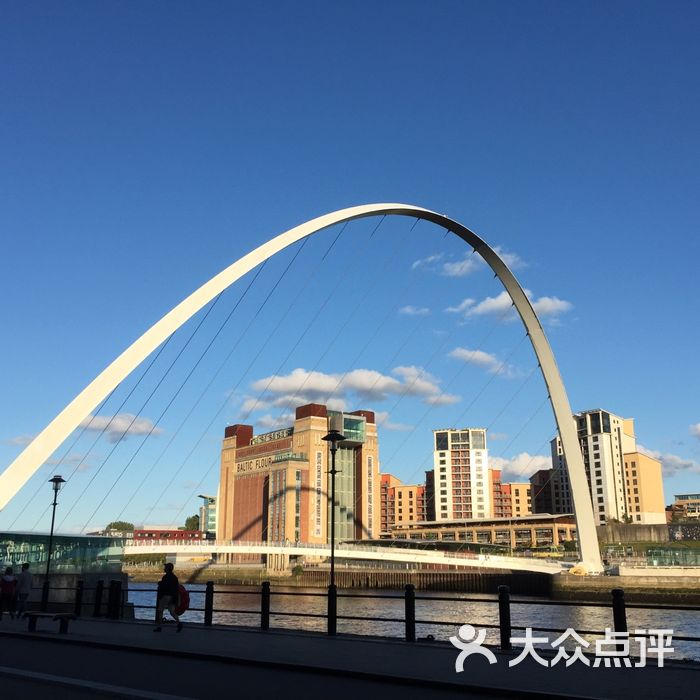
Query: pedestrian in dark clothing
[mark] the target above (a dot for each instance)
(168, 594)
(8, 593)
(24, 588)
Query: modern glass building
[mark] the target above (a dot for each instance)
(71, 554)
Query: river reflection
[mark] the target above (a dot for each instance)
(305, 608)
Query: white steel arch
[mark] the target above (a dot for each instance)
(51, 437)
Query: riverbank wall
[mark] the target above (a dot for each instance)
(672, 590)
(521, 583)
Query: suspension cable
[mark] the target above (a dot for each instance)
(202, 393)
(143, 405)
(109, 422)
(454, 377)
(84, 427)
(225, 402)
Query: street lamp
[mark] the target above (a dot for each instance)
(56, 482)
(334, 437)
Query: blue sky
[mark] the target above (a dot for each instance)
(146, 146)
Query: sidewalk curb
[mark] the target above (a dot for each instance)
(386, 678)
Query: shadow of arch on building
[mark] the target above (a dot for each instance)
(241, 534)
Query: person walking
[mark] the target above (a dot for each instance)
(168, 592)
(24, 588)
(8, 591)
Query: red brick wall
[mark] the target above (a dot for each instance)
(250, 507)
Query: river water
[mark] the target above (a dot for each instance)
(297, 608)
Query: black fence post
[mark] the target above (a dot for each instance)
(619, 613)
(265, 606)
(118, 602)
(45, 595)
(99, 588)
(410, 603)
(504, 617)
(332, 609)
(209, 603)
(78, 610)
(114, 599)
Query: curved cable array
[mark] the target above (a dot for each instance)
(368, 339)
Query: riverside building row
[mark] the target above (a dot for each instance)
(275, 486)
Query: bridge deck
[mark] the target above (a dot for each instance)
(201, 662)
(365, 553)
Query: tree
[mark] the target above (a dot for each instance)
(192, 523)
(120, 525)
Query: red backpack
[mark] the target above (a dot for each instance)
(183, 601)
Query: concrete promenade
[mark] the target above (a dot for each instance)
(100, 658)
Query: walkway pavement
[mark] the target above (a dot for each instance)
(127, 659)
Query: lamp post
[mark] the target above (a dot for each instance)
(333, 437)
(57, 481)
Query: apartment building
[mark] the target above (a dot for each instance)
(462, 483)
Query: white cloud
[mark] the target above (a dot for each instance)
(123, 424)
(382, 418)
(270, 422)
(672, 464)
(502, 304)
(470, 262)
(360, 385)
(428, 262)
(550, 306)
(485, 360)
(461, 307)
(462, 268)
(414, 310)
(19, 440)
(490, 305)
(75, 459)
(512, 260)
(520, 467)
(443, 400)
(416, 381)
(695, 430)
(498, 436)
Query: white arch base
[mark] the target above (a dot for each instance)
(41, 448)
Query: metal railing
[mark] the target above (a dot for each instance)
(109, 602)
